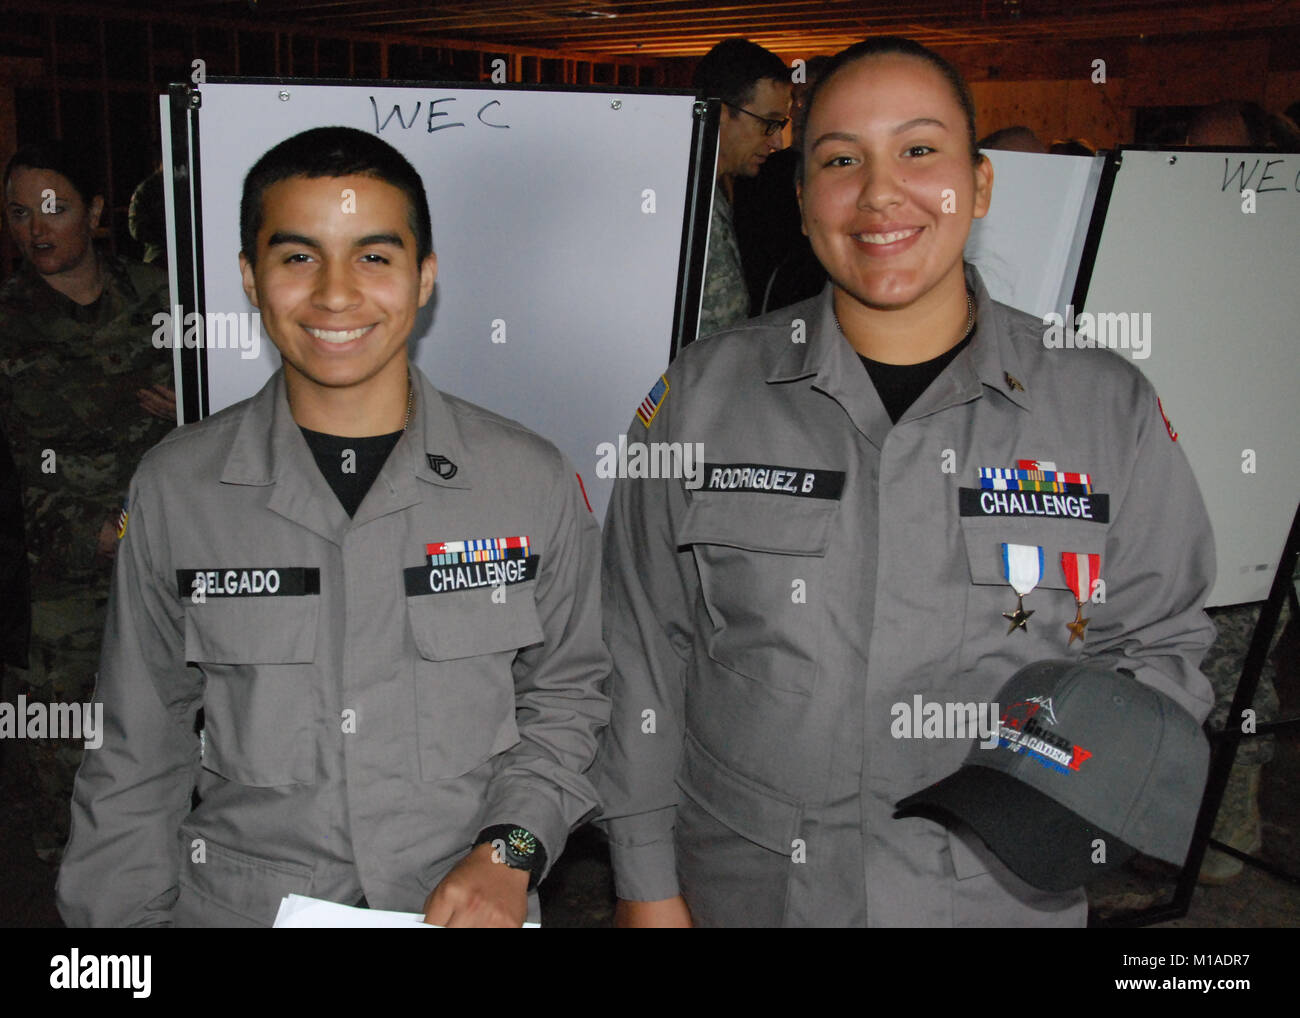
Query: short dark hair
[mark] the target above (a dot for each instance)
(885, 45)
(53, 154)
(333, 152)
(733, 67)
(148, 225)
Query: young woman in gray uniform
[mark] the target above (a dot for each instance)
(906, 497)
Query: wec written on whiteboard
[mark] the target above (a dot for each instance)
(437, 117)
(1252, 177)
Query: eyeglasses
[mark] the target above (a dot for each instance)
(770, 127)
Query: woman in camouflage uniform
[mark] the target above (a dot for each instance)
(82, 396)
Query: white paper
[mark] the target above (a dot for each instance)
(298, 912)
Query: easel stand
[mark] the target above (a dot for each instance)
(1224, 746)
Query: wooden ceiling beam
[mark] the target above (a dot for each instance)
(649, 29)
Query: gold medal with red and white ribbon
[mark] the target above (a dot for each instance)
(1081, 570)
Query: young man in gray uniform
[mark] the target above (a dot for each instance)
(906, 497)
(383, 599)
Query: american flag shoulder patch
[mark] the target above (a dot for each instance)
(653, 401)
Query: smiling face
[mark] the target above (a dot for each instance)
(338, 290)
(742, 145)
(54, 241)
(887, 150)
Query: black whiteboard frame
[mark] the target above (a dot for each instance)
(1101, 206)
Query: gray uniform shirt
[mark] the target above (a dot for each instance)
(367, 717)
(764, 626)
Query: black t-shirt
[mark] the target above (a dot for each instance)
(350, 465)
(899, 385)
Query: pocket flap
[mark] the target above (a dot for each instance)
(470, 624)
(984, 539)
(227, 882)
(969, 853)
(262, 630)
(753, 811)
(757, 522)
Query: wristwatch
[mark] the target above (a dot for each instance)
(517, 847)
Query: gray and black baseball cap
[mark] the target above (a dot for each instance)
(1084, 754)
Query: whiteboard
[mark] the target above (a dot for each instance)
(1222, 286)
(557, 222)
(1029, 246)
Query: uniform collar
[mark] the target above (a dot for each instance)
(826, 356)
(31, 289)
(992, 354)
(990, 361)
(269, 450)
(439, 456)
(268, 436)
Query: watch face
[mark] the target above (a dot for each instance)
(522, 843)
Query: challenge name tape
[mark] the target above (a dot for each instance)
(442, 579)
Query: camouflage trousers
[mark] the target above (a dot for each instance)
(1238, 820)
(1222, 666)
(63, 661)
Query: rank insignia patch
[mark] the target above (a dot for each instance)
(442, 466)
(122, 517)
(653, 401)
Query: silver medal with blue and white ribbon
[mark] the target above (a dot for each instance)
(1022, 566)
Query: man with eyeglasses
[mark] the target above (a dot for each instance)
(754, 86)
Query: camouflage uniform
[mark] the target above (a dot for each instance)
(726, 295)
(68, 380)
(15, 587)
(1222, 666)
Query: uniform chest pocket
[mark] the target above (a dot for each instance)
(464, 680)
(762, 566)
(1046, 633)
(256, 655)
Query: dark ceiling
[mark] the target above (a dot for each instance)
(660, 28)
